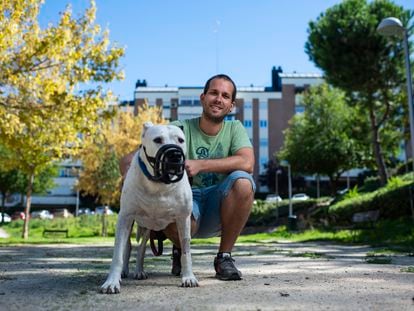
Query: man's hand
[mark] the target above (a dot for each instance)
(243, 160)
(192, 167)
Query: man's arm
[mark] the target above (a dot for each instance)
(242, 160)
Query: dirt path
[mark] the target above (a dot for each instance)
(279, 276)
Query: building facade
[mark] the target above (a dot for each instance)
(264, 111)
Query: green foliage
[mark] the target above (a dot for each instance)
(268, 214)
(13, 180)
(108, 177)
(344, 43)
(394, 183)
(393, 202)
(78, 227)
(378, 259)
(51, 84)
(371, 184)
(352, 193)
(320, 141)
(409, 269)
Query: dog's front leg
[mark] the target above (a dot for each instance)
(123, 229)
(143, 235)
(184, 231)
(127, 255)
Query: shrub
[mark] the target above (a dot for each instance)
(268, 214)
(352, 193)
(392, 201)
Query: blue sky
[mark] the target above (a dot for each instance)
(183, 43)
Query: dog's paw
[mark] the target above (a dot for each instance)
(140, 275)
(124, 274)
(111, 287)
(189, 281)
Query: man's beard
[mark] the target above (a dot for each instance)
(214, 119)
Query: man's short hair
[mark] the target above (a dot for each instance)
(225, 77)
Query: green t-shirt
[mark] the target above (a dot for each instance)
(232, 137)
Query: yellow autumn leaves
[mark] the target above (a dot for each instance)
(100, 155)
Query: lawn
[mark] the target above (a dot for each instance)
(397, 235)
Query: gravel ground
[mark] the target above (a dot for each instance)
(277, 276)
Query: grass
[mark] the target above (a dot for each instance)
(312, 255)
(409, 269)
(391, 236)
(378, 259)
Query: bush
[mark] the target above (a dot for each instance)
(268, 214)
(393, 202)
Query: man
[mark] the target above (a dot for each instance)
(220, 162)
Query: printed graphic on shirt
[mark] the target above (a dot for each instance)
(209, 179)
(202, 153)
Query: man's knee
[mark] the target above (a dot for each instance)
(243, 188)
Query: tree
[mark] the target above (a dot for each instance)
(344, 43)
(42, 107)
(319, 140)
(100, 175)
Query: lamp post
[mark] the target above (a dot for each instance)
(277, 173)
(291, 217)
(392, 26)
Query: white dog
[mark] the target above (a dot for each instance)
(156, 192)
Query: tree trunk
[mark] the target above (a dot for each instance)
(25, 234)
(382, 169)
(3, 201)
(333, 183)
(105, 221)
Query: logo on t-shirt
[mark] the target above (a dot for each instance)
(202, 153)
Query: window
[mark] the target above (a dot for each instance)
(186, 102)
(299, 109)
(190, 101)
(263, 123)
(247, 123)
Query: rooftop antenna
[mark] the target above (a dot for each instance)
(216, 31)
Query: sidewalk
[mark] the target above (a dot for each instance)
(277, 276)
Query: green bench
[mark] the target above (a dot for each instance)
(54, 231)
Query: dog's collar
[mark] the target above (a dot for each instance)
(145, 169)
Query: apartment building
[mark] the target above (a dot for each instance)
(265, 111)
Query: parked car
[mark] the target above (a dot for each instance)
(18, 215)
(43, 214)
(85, 211)
(272, 198)
(343, 191)
(100, 210)
(300, 197)
(5, 217)
(62, 212)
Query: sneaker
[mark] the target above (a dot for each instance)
(176, 261)
(225, 268)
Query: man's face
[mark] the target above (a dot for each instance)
(217, 102)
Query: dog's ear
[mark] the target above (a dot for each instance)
(147, 125)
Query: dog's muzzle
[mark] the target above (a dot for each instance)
(168, 164)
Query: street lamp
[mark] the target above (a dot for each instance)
(277, 173)
(391, 26)
(291, 217)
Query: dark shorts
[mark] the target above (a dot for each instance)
(207, 203)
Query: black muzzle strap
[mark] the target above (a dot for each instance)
(168, 164)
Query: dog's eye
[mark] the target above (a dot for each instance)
(180, 140)
(157, 140)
